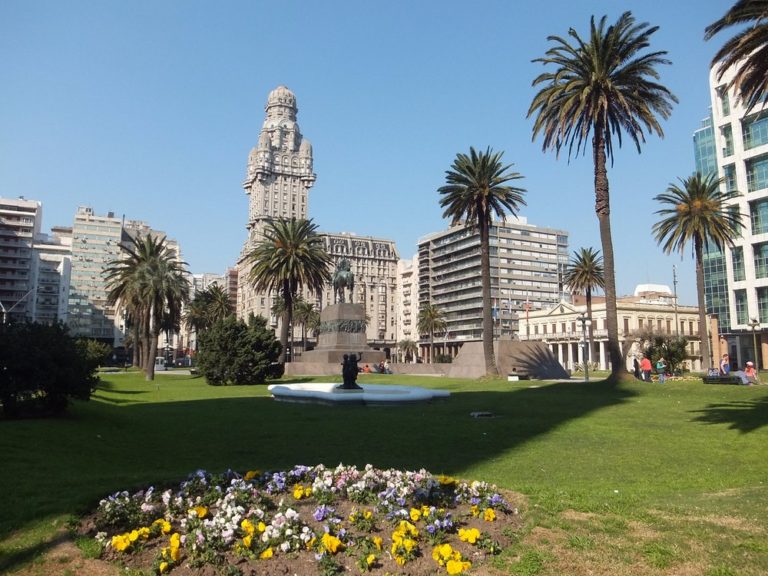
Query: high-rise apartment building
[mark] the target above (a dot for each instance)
(408, 300)
(95, 243)
(741, 138)
(278, 180)
(20, 222)
(53, 260)
(527, 264)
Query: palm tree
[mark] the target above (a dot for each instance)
(150, 283)
(584, 273)
(476, 188)
(206, 308)
(219, 304)
(304, 313)
(604, 85)
(697, 213)
(431, 320)
(290, 256)
(746, 52)
(408, 348)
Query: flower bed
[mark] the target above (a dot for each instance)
(307, 520)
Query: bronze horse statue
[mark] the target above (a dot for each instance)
(343, 278)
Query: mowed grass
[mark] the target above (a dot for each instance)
(630, 479)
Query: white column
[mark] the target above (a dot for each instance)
(580, 352)
(603, 362)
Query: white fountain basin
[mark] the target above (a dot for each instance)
(332, 393)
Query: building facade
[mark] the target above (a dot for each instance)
(53, 260)
(20, 222)
(279, 176)
(651, 309)
(407, 301)
(527, 265)
(741, 150)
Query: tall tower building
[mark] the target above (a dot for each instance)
(19, 226)
(278, 180)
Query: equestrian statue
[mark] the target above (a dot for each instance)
(343, 278)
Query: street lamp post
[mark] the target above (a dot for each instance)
(585, 323)
(754, 323)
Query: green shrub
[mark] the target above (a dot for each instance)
(233, 352)
(96, 353)
(41, 368)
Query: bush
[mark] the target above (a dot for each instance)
(233, 352)
(41, 368)
(443, 358)
(96, 353)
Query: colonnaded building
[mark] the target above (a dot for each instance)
(279, 176)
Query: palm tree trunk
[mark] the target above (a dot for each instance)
(431, 347)
(706, 360)
(603, 211)
(591, 328)
(149, 364)
(485, 272)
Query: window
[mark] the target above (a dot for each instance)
(626, 325)
(729, 175)
(727, 135)
(761, 260)
(740, 300)
(757, 173)
(762, 302)
(755, 130)
(737, 256)
(725, 102)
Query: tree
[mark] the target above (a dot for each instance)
(150, 283)
(584, 273)
(431, 320)
(307, 316)
(233, 352)
(206, 308)
(290, 256)
(602, 86)
(746, 52)
(674, 349)
(476, 189)
(697, 213)
(408, 348)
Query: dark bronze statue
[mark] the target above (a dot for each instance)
(349, 371)
(343, 278)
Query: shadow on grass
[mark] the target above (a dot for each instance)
(24, 555)
(108, 447)
(744, 415)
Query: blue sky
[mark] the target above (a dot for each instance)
(149, 108)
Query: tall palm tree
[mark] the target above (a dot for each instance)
(584, 273)
(697, 213)
(150, 283)
(602, 86)
(431, 320)
(476, 188)
(746, 52)
(206, 308)
(290, 256)
(408, 348)
(304, 313)
(219, 304)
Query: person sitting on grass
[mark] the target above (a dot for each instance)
(748, 376)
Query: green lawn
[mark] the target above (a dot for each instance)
(633, 479)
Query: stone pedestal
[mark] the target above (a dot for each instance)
(342, 331)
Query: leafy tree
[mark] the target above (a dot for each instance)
(290, 256)
(431, 320)
(584, 273)
(233, 352)
(95, 353)
(746, 52)
(206, 308)
(674, 349)
(697, 213)
(41, 368)
(602, 86)
(409, 348)
(150, 283)
(476, 188)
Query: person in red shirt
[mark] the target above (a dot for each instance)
(645, 368)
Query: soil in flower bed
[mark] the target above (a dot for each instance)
(288, 513)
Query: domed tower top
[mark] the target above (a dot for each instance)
(281, 103)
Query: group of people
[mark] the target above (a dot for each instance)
(380, 368)
(644, 368)
(748, 375)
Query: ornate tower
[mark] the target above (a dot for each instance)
(278, 180)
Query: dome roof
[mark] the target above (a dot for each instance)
(281, 96)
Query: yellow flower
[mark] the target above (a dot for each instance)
(261, 527)
(247, 540)
(174, 545)
(121, 542)
(425, 511)
(163, 567)
(400, 560)
(367, 514)
(298, 491)
(446, 480)
(457, 566)
(307, 491)
(475, 511)
(248, 527)
(134, 535)
(489, 515)
(143, 532)
(267, 554)
(331, 543)
(409, 544)
(311, 543)
(370, 560)
(442, 552)
(406, 527)
(469, 535)
(377, 541)
(200, 511)
(250, 475)
(415, 514)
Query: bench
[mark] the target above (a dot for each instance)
(721, 379)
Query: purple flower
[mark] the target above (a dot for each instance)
(322, 512)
